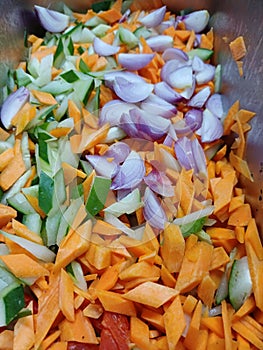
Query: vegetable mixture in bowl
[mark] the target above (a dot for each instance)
(123, 223)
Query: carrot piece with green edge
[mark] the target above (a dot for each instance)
(73, 245)
(151, 294)
(195, 265)
(252, 236)
(115, 302)
(66, 296)
(22, 230)
(80, 330)
(24, 335)
(173, 245)
(22, 266)
(174, 315)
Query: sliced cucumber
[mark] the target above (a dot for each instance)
(11, 302)
(240, 284)
(98, 194)
(33, 222)
(204, 54)
(21, 204)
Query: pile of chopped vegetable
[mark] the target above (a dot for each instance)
(123, 222)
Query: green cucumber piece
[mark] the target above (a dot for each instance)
(192, 227)
(98, 194)
(204, 54)
(33, 222)
(240, 283)
(45, 193)
(11, 302)
(21, 204)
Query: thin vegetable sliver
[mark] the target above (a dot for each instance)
(122, 212)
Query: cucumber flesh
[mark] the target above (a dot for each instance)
(240, 284)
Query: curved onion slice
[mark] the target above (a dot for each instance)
(135, 61)
(169, 67)
(159, 43)
(188, 92)
(153, 211)
(154, 18)
(110, 77)
(166, 92)
(181, 78)
(173, 53)
(194, 118)
(205, 75)
(112, 111)
(130, 173)
(199, 99)
(131, 92)
(104, 49)
(14, 102)
(140, 124)
(196, 21)
(190, 154)
(103, 166)
(156, 105)
(159, 183)
(212, 128)
(119, 151)
(215, 105)
(52, 21)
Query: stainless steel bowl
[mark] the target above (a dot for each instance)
(229, 19)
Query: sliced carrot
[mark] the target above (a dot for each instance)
(49, 340)
(66, 296)
(105, 229)
(214, 324)
(252, 236)
(154, 318)
(192, 337)
(6, 214)
(61, 345)
(115, 302)
(22, 231)
(24, 335)
(79, 330)
(174, 315)
(73, 245)
(6, 157)
(240, 216)
(3, 134)
(173, 245)
(246, 333)
(7, 339)
(93, 310)
(75, 113)
(110, 16)
(140, 269)
(14, 170)
(48, 304)
(109, 278)
(219, 258)
(151, 294)
(195, 265)
(238, 48)
(44, 97)
(167, 277)
(227, 326)
(189, 304)
(139, 334)
(230, 117)
(206, 290)
(22, 266)
(98, 256)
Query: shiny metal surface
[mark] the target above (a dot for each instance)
(230, 18)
